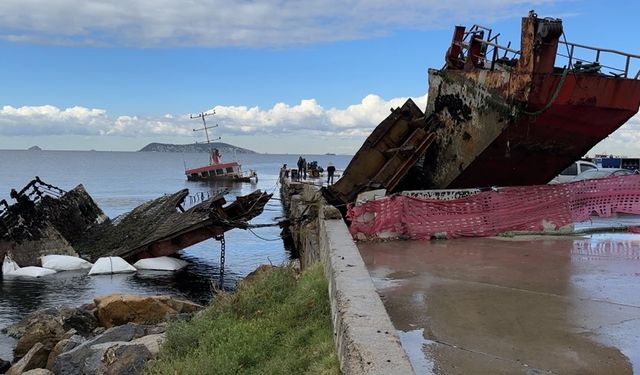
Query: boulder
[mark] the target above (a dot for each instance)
(32, 359)
(62, 346)
(116, 309)
(18, 329)
(117, 358)
(46, 331)
(49, 326)
(4, 366)
(257, 273)
(81, 319)
(99, 355)
(153, 343)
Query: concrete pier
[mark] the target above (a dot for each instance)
(366, 340)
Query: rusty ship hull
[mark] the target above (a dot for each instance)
(520, 121)
(498, 116)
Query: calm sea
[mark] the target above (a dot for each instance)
(120, 181)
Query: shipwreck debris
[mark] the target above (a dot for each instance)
(46, 220)
(498, 116)
(386, 156)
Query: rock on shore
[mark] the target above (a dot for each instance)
(116, 335)
(115, 309)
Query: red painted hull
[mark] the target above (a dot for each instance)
(522, 119)
(534, 149)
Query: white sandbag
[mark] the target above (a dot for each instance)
(8, 265)
(160, 264)
(109, 265)
(11, 268)
(32, 271)
(64, 262)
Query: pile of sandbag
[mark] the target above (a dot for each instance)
(103, 266)
(11, 268)
(160, 264)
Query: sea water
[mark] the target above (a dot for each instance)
(120, 181)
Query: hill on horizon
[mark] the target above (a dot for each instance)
(195, 147)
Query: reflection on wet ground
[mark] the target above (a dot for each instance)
(523, 305)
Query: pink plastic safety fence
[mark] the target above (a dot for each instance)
(488, 213)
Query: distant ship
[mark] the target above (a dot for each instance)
(217, 170)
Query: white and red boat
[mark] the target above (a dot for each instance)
(217, 170)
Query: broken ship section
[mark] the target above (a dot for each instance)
(47, 220)
(497, 116)
(509, 117)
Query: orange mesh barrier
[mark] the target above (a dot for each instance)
(487, 213)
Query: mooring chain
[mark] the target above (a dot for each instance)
(222, 256)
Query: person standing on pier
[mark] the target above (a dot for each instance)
(304, 168)
(330, 171)
(300, 166)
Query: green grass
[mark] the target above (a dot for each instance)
(279, 323)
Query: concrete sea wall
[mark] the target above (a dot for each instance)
(366, 341)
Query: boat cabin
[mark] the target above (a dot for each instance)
(216, 170)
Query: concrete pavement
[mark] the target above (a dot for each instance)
(522, 305)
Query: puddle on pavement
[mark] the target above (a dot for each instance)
(415, 345)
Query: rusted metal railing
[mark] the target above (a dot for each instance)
(492, 52)
(571, 47)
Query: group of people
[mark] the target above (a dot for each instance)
(301, 172)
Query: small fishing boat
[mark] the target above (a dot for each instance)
(217, 170)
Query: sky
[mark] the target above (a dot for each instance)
(282, 76)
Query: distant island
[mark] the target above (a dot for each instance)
(34, 148)
(224, 148)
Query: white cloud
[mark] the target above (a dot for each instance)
(301, 121)
(47, 120)
(307, 117)
(623, 142)
(310, 117)
(214, 23)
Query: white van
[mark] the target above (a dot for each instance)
(572, 171)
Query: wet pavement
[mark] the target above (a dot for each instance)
(521, 305)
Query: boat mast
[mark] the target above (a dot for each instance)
(204, 127)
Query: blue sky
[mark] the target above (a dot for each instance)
(284, 76)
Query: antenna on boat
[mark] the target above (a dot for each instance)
(204, 127)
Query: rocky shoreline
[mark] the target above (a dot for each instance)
(117, 334)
